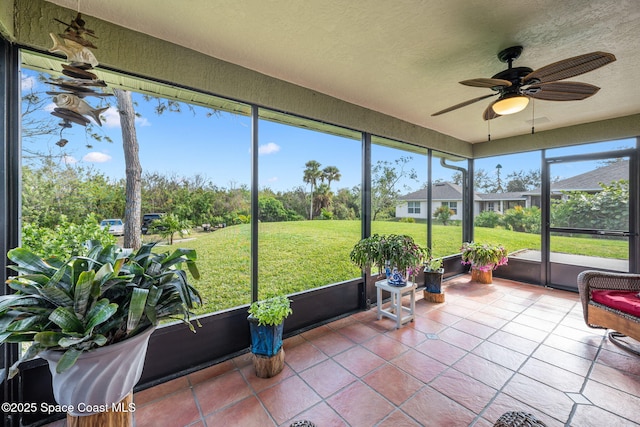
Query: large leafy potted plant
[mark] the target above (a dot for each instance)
(266, 323)
(396, 255)
(483, 258)
(91, 317)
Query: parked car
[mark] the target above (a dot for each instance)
(116, 226)
(147, 219)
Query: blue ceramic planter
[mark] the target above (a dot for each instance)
(433, 281)
(266, 340)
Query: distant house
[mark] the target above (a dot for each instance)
(414, 205)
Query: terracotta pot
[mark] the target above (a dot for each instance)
(100, 377)
(485, 277)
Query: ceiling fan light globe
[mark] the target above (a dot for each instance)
(510, 104)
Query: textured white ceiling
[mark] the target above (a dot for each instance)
(405, 58)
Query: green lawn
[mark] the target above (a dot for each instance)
(295, 256)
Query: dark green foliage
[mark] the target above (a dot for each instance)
(94, 300)
(526, 220)
(271, 311)
(488, 219)
(65, 239)
(606, 209)
(399, 251)
(442, 214)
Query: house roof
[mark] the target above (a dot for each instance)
(590, 181)
(450, 191)
(441, 191)
(520, 195)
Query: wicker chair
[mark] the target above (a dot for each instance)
(598, 315)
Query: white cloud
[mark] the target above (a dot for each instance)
(49, 107)
(112, 119)
(269, 148)
(96, 157)
(273, 179)
(28, 83)
(142, 121)
(69, 160)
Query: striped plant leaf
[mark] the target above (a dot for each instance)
(29, 281)
(27, 262)
(67, 360)
(68, 341)
(66, 319)
(8, 301)
(100, 340)
(100, 313)
(48, 338)
(136, 308)
(20, 337)
(24, 325)
(105, 273)
(58, 279)
(57, 296)
(82, 293)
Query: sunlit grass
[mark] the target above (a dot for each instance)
(295, 256)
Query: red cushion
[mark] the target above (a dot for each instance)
(625, 301)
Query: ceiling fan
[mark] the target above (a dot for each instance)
(516, 85)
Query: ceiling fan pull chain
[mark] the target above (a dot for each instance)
(488, 130)
(533, 116)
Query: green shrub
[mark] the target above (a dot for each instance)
(408, 220)
(443, 214)
(66, 239)
(488, 219)
(326, 214)
(521, 219)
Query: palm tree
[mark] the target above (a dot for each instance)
(331, 173)
(311, 175)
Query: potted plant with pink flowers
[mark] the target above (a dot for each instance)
(483, 258)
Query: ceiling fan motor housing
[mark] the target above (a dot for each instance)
(515, 76)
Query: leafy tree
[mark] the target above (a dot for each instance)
(54, 190)
(271, 209)
(385, 183)
(66, 239)
(312, 174)
(346, 203)
(482, 182)
(606, 209)
(294, 200)
(330, 173)
(523, 181)
(169, 225)
(515, 181)
(323, 198)
(443, 214)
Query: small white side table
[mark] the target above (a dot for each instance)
(396, 311)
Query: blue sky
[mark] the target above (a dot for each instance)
(218, 148)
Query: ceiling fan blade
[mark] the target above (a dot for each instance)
(489, 114)
(486, 82)
(561, 91)
(569, 67)
(463, 104)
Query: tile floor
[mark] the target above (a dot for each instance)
(487, 350)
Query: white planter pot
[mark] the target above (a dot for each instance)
(100, 377)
